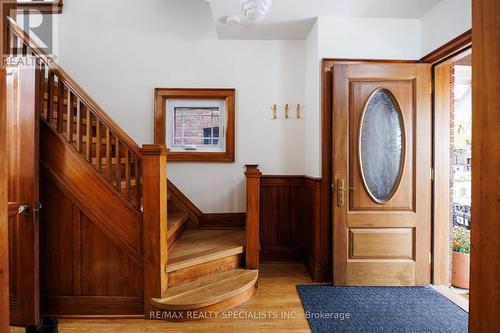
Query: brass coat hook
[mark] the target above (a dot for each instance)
(298, 111)
(286, 111)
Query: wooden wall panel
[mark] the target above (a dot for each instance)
(485, 252)
(223, 221)
(4, 226)
(290, 222)
(81, 182)
(106, 270)
(56, 224)
(316, 243)
(282, 218)
(83, 271)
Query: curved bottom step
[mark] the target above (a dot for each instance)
(203, 298)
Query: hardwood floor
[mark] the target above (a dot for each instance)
(276, 295)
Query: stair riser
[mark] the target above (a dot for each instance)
(172, 238)
(206, 312)
(192, 273)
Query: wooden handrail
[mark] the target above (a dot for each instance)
(137, 174)
(44, 7)
(74, 115)
(72, 85)
(252, 250)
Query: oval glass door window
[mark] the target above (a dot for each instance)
(381, 147)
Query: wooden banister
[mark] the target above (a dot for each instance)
(154, 159)
(44, 7)
(253, 175)
(72, 85)
(138, 175)
(99, 140)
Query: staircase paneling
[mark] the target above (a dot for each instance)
(82, 271)
(81, 182)
(106, 270)
(106, 235)
(57, 217)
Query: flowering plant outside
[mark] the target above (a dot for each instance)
(461, 240)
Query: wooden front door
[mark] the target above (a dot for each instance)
(381, 174)
(22, 131)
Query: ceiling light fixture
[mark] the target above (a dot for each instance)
(232, 20)
(256, 10)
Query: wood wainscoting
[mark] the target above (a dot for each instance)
(290, 223)
(223, 221)
(82, 270)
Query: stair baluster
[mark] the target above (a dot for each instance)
(73, 115)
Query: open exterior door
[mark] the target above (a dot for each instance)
(22, 131)
(382, 174)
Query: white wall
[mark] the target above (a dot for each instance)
(122, 51)
(313, 114)
(362, 38)
(369, 38)
(356, 38)
(447, 20)
(119, 51)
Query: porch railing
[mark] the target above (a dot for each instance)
(462, 216)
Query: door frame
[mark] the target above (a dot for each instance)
(441, 231)
(4, 220)
(484, 287)
(26, 310)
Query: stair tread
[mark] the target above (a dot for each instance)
(199, 246)
(175, 221)
(208, 290)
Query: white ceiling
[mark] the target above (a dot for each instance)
(292, 19)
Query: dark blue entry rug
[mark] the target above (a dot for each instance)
(380, 309)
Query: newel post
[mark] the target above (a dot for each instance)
(253, 175)
(154, 222)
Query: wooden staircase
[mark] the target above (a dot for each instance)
(122, 189)
(206, 277)
(200, 298)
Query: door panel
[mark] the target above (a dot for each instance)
(360, 92)
(380, 243)
(381, 174)
(22, 132)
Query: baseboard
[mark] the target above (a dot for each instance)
(92, 306)
(226, 221)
